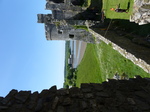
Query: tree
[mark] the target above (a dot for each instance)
(70, 76)
(70, 82)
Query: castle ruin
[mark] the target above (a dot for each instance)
(67, 20)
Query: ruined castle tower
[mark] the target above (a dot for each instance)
(61, 24)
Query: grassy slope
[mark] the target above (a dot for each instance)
(113, 62)
(101, 62)
(88, 70)
(124, 4)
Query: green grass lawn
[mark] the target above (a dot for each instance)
(89, 70)
(101, 62)
(124, 4)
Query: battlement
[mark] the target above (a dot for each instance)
(40, 18)
(63, 6)
(44, 18)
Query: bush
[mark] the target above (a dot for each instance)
(87, 3)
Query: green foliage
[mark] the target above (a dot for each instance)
(57, 24)
(71, 77)
(70, 73)
(67, 54)
(87, 3)
(101, 62)
(110, 44)
(81, 27)
(66, 85)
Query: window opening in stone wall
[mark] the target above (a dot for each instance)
(60, 31)
(77, 2)
(56, 1)
(71, 36)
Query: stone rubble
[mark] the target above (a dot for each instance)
(141, 12)
(113, 96)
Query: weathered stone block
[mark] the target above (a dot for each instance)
(93, 103)
(3, 107)
(25, 110)
(89, 95)
(61, 109)
(34, 96)
(18, 106)
(76, 92)
(39, 105)
(131, 101)
(142, 105)
(102, 94)
(55, 102)
(100, 100)
(22, 96)
(1, 99)
(67, 101)
(74, 107)
(63, 92)
(44, 93)
(31, 105)
(86, 87)
(9, 96)
(97, 87)
(108, 100)
(53, 89)
(84, 105)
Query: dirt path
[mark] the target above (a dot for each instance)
(80, 49)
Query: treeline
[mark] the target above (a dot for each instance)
(67, 54)
(70, 80)
(69, 72)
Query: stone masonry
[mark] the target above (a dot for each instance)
(141, 12)
(66, 15)
(131, 95)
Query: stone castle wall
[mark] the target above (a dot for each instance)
(64, 7)
(66, 15)
(141, 12)
(131, 95)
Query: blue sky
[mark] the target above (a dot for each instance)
(27, 60)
